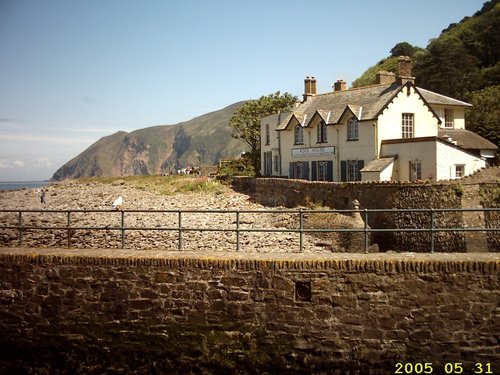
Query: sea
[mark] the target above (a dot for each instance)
(18, 185)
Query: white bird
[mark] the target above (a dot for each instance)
(117, 204)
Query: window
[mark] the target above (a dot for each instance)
(299, 169)
(407, 123)
(448, 118)
(415, 170)
(322, 135)
(299, 135)
(322, 170)
(352, 129)
(459, 170)
(350, 170)
(268, 135)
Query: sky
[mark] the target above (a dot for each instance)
(73, 71)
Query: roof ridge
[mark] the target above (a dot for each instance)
(354, 89)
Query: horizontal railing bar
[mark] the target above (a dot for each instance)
(305, 211)
(285, 230)
(241, 225)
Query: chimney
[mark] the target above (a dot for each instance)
(309, 87)
(404, 63)
(384, 77)
(340, 85)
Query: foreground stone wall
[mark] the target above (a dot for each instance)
(174, 313)
(402, 195)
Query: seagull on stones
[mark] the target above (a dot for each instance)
(117, 204)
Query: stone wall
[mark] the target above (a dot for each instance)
(275, 192)
(176, 313)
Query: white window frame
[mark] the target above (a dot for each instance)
(449, 120)
(322, 171)
(415, 167)
(407, 125)
(298, 133)
(352, 170)
(459, 170)
(352, 129)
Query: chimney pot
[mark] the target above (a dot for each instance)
(309, 87)
(404, 63)
(385, 77)
(340, 85)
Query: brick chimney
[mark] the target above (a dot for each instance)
(404, 63)
(384, 77)
(340, 85)
(309, 87)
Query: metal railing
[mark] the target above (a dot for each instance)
(432, 228)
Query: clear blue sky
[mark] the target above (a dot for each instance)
(72, 71)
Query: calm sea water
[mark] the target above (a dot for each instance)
(17, 185)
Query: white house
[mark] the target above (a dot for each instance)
(389, 131)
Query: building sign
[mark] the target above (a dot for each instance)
(313, 151)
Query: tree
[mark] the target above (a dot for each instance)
(403, 49)
(245, 122)
(483, 117)
(448, 68)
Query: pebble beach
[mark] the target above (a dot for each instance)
(76, 195)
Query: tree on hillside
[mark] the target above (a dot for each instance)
(447, 68)
(245, 122)
(483, 117)
(404, 49)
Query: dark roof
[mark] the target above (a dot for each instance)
(365, 102)
(435, 98)
(466, 139)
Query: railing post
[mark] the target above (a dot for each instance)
(122, 222)
(237, 230)
(366, 230)
(432, 230)
(301, 230)
(20, 224)
(68, 226)
(180, 228)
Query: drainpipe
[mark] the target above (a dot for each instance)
(377, 148)
(279, 150)
(338, 155)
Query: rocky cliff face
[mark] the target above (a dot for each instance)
(158, 149)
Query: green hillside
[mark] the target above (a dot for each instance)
(462, 63)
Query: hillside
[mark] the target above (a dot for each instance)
(462, 63)
(158, 149)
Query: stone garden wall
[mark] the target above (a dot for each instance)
(476, 191)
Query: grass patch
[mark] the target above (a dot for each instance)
(165, 185)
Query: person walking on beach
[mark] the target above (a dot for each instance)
(42, 196)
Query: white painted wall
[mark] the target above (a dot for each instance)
(389, 122)
(449, 156)
(425, 152)
(458, 115)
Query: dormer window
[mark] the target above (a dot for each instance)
(298, 135)
(322, 135)
(352, 129)
(448, 118)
